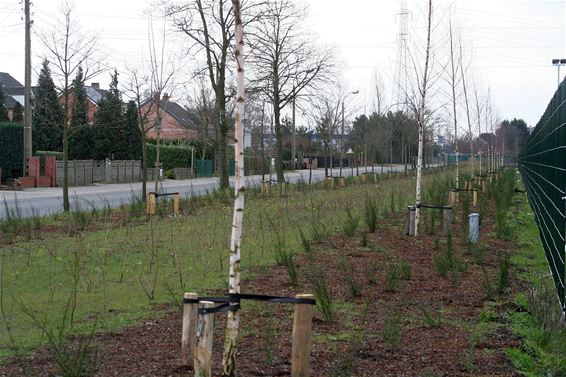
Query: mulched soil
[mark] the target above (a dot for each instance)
(352, 345)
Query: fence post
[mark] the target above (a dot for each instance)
(474, 198)
(203, 350)
(151, 210)
(176, 204)
(453, 198)
(302, 329)
(189, 329)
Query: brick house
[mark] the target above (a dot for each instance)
(175, 120)
(14, 92)
(93, 93)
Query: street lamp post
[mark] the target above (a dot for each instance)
(558, 63)
(342, 137)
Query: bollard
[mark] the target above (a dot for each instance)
(151, 204)
(474, 227)
(203, 349)
(176, 204)
(447, 220)
(190, 313)
(302, 330)
(410, 224)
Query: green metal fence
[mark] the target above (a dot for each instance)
(542, 164)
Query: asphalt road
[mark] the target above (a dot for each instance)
(46, 201)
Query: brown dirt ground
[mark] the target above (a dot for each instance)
(152, 348)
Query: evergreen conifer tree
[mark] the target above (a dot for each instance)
(109, 124)
(18, 113)
(134, 136)
(80, 139)
(48, 114)
(3, 110)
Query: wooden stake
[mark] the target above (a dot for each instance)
(302, 330)
(176, 204)
(188, 337)
(453, 198)
(342, 182)
(203, 350)
(151, 205)
(474, 198)
(266, 188)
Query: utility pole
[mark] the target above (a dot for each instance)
(294, 149)
(342, 142)
(27, 90)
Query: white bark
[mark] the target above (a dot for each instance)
(233, 323)
(421, 121)
(464, 87)
(454, 114)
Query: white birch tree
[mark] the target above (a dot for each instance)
(233, 323)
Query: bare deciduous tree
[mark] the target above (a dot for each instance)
(453, 81)
(68, 48)
(209, 26)
(286, 61)
(327, 116)
(421, 116)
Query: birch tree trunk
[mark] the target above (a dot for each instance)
(233, 323)
(421, 121)
(455, 117)
(465, 88)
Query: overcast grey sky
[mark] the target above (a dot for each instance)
(511, 42)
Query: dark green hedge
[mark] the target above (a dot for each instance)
(170, 156)
(11, 150)
(42, 154)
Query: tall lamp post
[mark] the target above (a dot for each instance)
(342, 137)
(558, 63)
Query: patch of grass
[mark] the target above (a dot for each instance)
(431, 318)
(371, 214)
(391, 332)
(537, 319)
(322, 293)
(350, 225)
(392, 279)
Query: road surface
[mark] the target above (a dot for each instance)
(47, 201)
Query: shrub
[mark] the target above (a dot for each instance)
(404, 270)
(11, 150)
(350, 225)
(371, 214)
(503, 272)
(305, 242)
(392, 279)
(322, 293)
